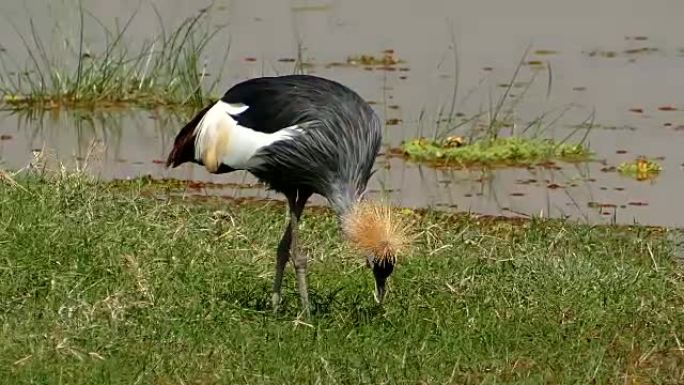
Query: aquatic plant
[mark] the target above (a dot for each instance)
(640, 169)
(497, 136)
(507, 151)
(164, 71)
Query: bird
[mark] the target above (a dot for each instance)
(301, 135)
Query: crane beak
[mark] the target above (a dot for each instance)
(381, 271)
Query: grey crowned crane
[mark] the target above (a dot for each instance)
(300, 135)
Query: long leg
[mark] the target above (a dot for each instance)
(282, 255)
(299, 259)
(288, 242)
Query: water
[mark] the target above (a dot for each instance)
(597, 67)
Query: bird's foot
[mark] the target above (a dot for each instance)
(303, 290)
(306, 309)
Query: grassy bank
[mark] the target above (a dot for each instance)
(114, 284)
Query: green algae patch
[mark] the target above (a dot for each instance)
(508, 151)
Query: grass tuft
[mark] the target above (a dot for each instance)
(165, 71)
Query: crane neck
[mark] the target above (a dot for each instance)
(343, 198)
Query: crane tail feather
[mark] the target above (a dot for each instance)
(184, 145)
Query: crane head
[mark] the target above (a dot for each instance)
(381, 271)
(381, 235)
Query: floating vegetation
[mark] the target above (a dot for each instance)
(509, 151)
(637, 38)
(640, 169)
(630, 52)
(607, 54)
(165, 71)
(387, 62)
(388, 58)
(640, 50)
(601, 205)
(545, 52)
(599, 126)
(514, 85)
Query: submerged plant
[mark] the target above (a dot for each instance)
(163, 71)
(640, 169)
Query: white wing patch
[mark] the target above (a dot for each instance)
(235, 109)
(221, 140)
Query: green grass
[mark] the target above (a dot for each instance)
(492, 152)
(165, 71)
(121, 285)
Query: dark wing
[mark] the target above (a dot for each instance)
(334, 155)
(273, 103)
(283, 101)
(341, 138)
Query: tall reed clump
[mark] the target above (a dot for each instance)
(166, 70)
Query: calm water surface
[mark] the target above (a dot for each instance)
(605, 57)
